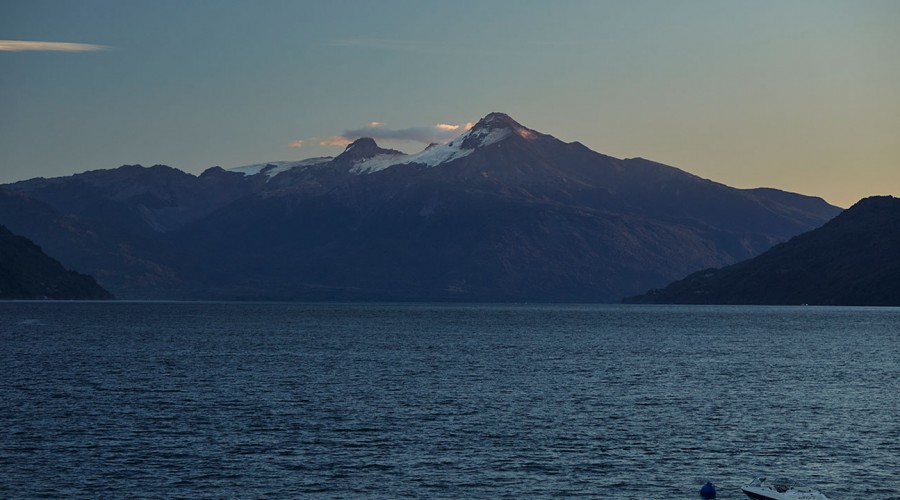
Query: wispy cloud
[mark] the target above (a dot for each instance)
(440, 133)
(22, 46)
(335, 141)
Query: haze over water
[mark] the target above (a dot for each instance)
(386, 400)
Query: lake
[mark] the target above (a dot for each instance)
(445, 401)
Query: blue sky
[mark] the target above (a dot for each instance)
(798, 95)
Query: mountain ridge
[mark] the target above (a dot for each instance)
(500, 213)
(27, 273)
(851, 260)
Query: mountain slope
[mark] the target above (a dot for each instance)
(501, 213)
(131, 260)
(852, 260)
(26, 272)
(511, 214)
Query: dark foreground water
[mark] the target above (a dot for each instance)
(287, 400)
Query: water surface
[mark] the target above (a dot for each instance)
(455, 401)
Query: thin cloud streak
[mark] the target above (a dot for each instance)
(335, 141)
(23, 46)
(440, 133)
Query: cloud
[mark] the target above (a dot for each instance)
(454, 128)
(442, 132)
(334, 141)
(22, 46)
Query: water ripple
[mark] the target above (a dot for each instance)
(411, 401)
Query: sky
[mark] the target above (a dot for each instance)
(800, 95)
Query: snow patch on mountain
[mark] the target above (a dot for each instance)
(366, 157)
(487, 136)
(273, 168)
(444, 153)
(378, 162)
(431, 156)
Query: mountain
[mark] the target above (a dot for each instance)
(852, 260)
(111, 224)
(500, 213)
(26, 272)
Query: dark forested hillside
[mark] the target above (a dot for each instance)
(26, 272)
(852, 260)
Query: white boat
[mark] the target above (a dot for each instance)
(780, 489)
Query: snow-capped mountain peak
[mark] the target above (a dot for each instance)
(497, 120)
(494, 128)
(364, 156)
(362, 149)
(367, 157)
